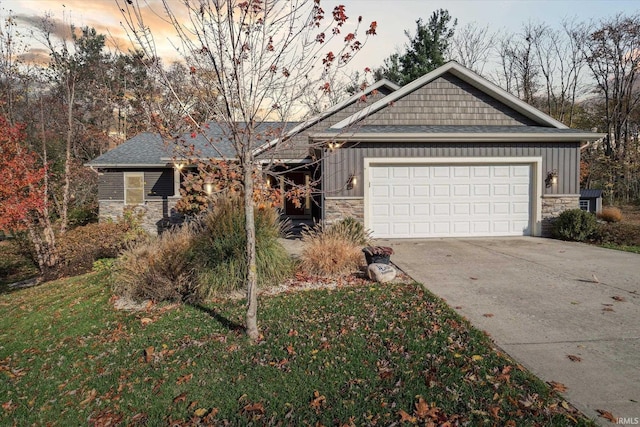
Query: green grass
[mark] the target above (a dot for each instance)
(626, 248)
(360, 355)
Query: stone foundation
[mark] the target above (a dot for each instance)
(554, 205)
(157, 214)
(337, 209)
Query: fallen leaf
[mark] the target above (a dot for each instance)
(618, 298)
(404, 417)
(556, 386)
(595, 278)
(317, 401)
(145, 321)
(180, 398)
(257, 408)
(148, 354)
(473, 278)
(608, 309)
(200, 412)
(488, 315)
(574, 358)
(476, 357)
(184, 379)
(91, 396)
(607, 415)
(290, 350)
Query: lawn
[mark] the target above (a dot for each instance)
(359, 354)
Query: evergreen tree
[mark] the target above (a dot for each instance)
(426, 51)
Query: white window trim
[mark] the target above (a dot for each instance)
(536, 179)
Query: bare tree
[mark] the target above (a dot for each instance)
(519, 70)
(560, 62)
(252, 61)
(471, 46)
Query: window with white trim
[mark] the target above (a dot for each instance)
(133, 188)
(584, 205)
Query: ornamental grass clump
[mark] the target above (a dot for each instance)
(610, 214)
(333, 250)
(158, 269)
(219, 249)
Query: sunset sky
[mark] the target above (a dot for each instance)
(393, 17)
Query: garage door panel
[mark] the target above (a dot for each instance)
(441, 209)
(380, 191)
(450, 200)
(461, 190)
(420, 190)
(403, 209)
(441, 190)
(400, 172)
(401, 190)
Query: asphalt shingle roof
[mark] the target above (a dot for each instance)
(589, 194)
(149, 149)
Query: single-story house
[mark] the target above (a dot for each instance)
(447, 155)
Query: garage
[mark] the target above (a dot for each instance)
(449, 199)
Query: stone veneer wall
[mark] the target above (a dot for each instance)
(337, 209)
(553, 205)
(153, 212)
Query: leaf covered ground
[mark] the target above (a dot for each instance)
(358, 354)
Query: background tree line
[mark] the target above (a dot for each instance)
(84, 98)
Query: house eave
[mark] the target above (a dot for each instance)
(126, 165)
(458, 137)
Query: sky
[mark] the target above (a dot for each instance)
(392, 16)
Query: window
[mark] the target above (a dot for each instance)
(133, 188)
(584, 205)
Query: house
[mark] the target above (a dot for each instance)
(448, 155)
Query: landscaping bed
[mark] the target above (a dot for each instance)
(356, 354)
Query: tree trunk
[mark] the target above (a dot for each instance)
(67, 162)
(250, 229)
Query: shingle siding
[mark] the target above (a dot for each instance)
(448, 100)
(298, 146)
(340, 164)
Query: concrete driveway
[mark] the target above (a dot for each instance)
(542, 300)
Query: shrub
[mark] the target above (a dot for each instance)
(610, 214)
(329, 253)
(623, 234)
(158, 269)
(220, 248)
(80, 247)
(352, 230)
(574, 224)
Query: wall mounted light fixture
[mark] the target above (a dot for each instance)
(552, 178)
(352, 181)
(334, 145)
(208, 188)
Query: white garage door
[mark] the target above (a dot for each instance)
(449, 200)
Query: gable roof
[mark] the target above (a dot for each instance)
(382, 83)
(466, 75)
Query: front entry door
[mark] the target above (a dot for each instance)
(291, 208)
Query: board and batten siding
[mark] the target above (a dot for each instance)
(340, 164)
(447, 100)
(158, 183)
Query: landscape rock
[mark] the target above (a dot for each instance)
(381, 273)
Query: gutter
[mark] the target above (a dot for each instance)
(459, 137)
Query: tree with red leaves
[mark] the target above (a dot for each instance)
(23, 193)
